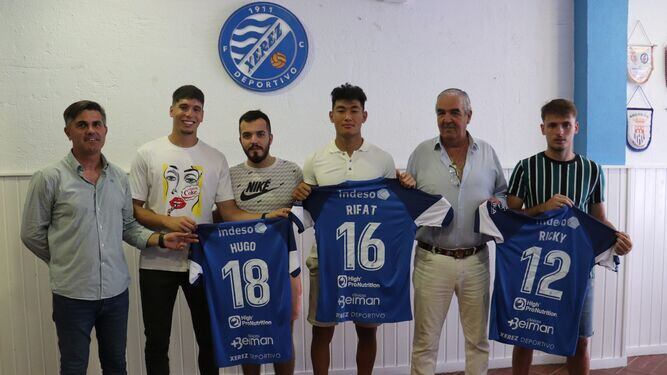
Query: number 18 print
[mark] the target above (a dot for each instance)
(248, 263)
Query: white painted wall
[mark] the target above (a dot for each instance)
(130, 56)
(648, 11)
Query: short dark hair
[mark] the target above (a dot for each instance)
(253, 115)
(348, 92)
(559, 107)
(187, 92)
(75, 109)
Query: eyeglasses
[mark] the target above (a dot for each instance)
(454, 175)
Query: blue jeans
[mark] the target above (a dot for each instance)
(75, 320)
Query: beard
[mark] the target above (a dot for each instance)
(257, 155)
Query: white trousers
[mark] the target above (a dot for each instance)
(436, 279)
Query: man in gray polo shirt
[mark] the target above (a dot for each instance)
(455, 259)
(77, 214)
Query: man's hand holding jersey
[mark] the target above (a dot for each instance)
(301, 191)
(623, 243)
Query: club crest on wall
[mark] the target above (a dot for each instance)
(263, 47)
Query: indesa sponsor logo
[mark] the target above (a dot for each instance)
(530, 325)
(251, 340)
(237, 231)
(572, 222)
(354, 194)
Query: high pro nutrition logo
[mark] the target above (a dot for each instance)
(263, 47)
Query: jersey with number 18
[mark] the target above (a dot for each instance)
(246, 267)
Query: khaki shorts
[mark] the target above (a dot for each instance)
(313, 268)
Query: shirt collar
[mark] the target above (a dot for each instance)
(474, 146)
(74, 164)
(333, 149)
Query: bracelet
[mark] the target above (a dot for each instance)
(160, 240)
(264, 215)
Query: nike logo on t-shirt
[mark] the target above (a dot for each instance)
(255, 189)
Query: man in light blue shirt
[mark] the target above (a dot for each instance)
(77, 214)
(455, 259)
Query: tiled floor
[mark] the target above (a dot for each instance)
(648, 364)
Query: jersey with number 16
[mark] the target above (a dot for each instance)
(365, 232)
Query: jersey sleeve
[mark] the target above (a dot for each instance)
(314, 204)
(425, 209)
(602, 240)
(139, 177)
(516, 186)
(302, 216)
(484, 223)
(293, 239)
(195, 262)
(224, 192)
(499, 222)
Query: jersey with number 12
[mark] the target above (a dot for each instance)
(542, 268)
(365, 232)
(246, 273)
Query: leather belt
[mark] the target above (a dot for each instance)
(454, 253)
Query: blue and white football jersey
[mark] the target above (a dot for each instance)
(246, 268)
(542, 268)
(365, 233)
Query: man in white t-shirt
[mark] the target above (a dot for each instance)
(175, 182)
(347, 158)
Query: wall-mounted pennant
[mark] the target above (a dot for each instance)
(639, 124)
(640, 58)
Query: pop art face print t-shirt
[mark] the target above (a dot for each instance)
(177, 181)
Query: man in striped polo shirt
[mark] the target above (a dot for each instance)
(550, 180)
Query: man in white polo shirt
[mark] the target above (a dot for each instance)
(347, 158)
